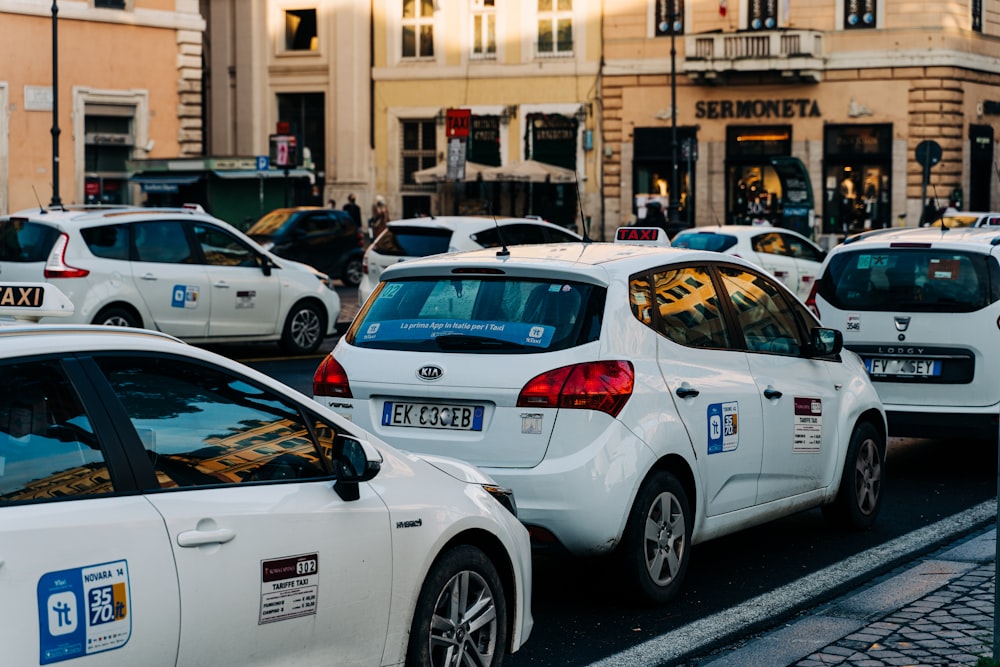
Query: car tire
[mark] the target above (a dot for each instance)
(304, 328)
(351, 273)
(656, 546)
(116, 316)
(461, 613)
(859, 497)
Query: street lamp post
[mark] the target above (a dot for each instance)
(56, 201)
(673, 205)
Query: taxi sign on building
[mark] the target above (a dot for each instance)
(642, 236)
(457, 123)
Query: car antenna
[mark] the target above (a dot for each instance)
(503, 251)
(583, 218)
(41, 206)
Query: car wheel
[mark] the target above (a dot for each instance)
(461, 613)
(304, 329)
(859, 498)
(351, 275)
(656, 546)
(116, 316)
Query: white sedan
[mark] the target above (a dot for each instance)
(161, 506)
(789, 256)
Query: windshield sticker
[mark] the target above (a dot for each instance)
(723, 427)
(83, 611)
(184, 296)
(521, 333)
(943, 269)
(289, 587)
(864, 261)
(807, 431)
(390, 290)
(853, 323)
(245, 299)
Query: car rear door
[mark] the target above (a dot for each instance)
(771, 251)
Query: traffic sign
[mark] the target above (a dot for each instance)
(928, 153)
(263, 163)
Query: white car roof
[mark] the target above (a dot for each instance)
(471, 222)
(739, 230)
(83, 216)
(980, 238)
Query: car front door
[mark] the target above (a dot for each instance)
(86, 568)
(274, 566)
(172, 281)
(710, 384)
(245, 301)
(800, 402)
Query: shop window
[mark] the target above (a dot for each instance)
(110, 4)
(484, 140)
(108, 145)
(418, 28)
(419, 149)
(653, 171)
(484, 24)
(977, 15)
(300, 30)
(669, 17)
(859, 14)
(857, 161)
(555, 28)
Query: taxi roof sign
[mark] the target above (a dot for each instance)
(33, 301)
(642, 236)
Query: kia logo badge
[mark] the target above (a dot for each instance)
(430, 372)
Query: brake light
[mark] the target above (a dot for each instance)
(811, 300)
(330, 379)
(597, 385)
(56, 266)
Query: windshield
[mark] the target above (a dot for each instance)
(704, 241)
(270, 223)
(913, 279)
(492, 315)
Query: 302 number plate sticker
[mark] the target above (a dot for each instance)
(289, 587)
(83, 611)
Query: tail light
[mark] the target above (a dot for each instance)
(811, 300)
(597, 385)
(364, 264)
(56, 266)
(330, 379)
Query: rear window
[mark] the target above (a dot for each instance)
(704, 241)
(484, 315)
(913, 279)
(403, 241)
(24, 241)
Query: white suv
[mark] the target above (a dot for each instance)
(921, 308)
(179, 271)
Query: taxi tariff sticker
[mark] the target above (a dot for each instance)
(289, 587)
(83, 611)
(807, 431)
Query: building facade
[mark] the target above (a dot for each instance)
(129, 86)
(863, 93)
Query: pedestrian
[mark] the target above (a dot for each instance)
(332, 203)
(353, 209)
(380, 216)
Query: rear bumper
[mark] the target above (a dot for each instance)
(929, 424)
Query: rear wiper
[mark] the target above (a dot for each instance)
(463, 341)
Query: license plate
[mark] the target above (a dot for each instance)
(433, 415)
(909, 367)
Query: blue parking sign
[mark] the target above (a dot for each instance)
(263, 163)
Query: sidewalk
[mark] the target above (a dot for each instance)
(937, 610)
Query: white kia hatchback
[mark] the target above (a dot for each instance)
(179, 271)
(922, 307)
(633, 397)
(161, 505)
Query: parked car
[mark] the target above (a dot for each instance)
(953, 218)
(637, 399)
(789, 256)
(420, 237)
(179, 271)
(920, 306)
(324, 238)
(162, 505)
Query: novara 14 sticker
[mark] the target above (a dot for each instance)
(83, 611)
(723, 427)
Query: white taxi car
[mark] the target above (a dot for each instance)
(789, 256)
(179, 271)
(633, 397)
(921, 306)
(161, 505)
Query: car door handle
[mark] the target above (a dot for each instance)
(196, 538)
(686, 392)
(771, 392)
(149, 276)
(221, 283)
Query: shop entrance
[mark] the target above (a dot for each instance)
(652, 171)
(981, 169)
(857, 163)
(753, 186)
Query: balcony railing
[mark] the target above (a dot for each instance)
(794, 54)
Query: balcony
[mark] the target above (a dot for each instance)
(792, 55)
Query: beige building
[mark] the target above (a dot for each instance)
(850, 88)
(129, 75)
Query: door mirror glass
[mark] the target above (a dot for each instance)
(826, 342)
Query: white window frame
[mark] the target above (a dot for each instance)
(82, 96)
(553, 17)
(487, 14)
(417, 22)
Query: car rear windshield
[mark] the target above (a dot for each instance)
(403, 241)
(704, 241)
(913, 279)
(480, 315)
(24, 241)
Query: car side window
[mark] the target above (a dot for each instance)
(767, 321)
(108, 241)
(201, 426)
(687, 308)
(222, 249)
(23, 241)
(48, 448)
(316, 223)
(801, 249)
(771, 243)
(164, 242)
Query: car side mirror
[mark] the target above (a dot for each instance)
(826, 342)
(266, 264)
(354, 461)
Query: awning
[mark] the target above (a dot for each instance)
(160, 182)
(439, 173)
(270, 173)
(530, 171)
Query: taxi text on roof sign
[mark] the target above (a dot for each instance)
(642, 236)
(33, 301)
(22, 296)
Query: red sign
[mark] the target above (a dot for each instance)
(638, 234)
(457, 122)
(92, 188)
